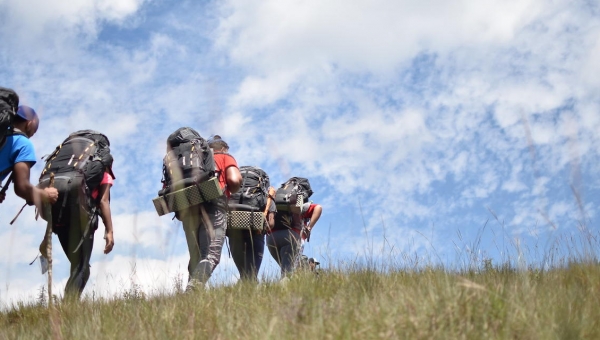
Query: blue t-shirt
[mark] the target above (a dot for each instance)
(17, 149)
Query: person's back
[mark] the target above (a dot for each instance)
(205, 224)
(254, 206)
(291, 228)
(84, 194)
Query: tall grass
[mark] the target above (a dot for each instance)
(542, 293)
(349, 303)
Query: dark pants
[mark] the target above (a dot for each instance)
(80, 259)
(71, 222)
(247, 250)
(285, 246)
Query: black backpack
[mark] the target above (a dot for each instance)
(189, 161)
(78, 165)
(290, 190)
(254, 190)
(9, 103)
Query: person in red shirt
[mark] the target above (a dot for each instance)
(205, 230)
(226, 166)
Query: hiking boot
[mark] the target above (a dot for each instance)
(194, 286)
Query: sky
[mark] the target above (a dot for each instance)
(432, 132)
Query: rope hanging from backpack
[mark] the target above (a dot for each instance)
(19, 213)
(87, 229)
(5, 187)
(3, 191)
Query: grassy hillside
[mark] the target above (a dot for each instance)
(352, 304)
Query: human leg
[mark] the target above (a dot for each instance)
(284, 246)
(211, 236)
(247, 250)
(190, 219)
(77, 243)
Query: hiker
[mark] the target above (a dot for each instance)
(309, 263)
(285, 240)
(82, 170)
(247, 242)
(204, 224)
(17, 155)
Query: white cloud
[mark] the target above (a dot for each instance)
(284, 33)
(57, 28)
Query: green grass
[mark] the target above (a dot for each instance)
(491, 303)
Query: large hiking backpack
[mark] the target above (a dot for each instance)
(78, 165)
(9, 102)
(254, 190)
(189, 161)
(293, 192)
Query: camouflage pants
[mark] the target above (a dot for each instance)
(204, 226)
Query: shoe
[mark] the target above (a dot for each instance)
(194, 286)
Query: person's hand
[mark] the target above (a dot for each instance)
(110, 242)
(2, 197)
(44, 248)
(305, 234)
(51, 195)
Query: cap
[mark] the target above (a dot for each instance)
(26, 112)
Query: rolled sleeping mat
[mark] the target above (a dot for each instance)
(188, 197)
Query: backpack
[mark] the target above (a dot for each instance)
(9, 102)
(189, 161)
(295, 190)
(254, 190)
(78, 165)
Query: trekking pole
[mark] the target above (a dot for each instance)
(48, 239)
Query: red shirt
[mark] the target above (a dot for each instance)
(222, 162)
(308, 213)
(106, 179)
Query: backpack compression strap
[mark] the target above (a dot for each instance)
(243, 183)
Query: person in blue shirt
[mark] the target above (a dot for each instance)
(18, 155)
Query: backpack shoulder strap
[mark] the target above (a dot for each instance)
(242, 187)
(17, 132)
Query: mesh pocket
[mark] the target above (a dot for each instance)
(245, 220)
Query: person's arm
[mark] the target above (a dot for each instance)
(271, 219)
(30, 193)
(234, 179)
(105, 214)
(316, 214)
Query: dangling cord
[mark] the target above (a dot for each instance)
(19, 213)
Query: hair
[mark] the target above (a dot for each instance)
(216, 142)
(19, 119)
